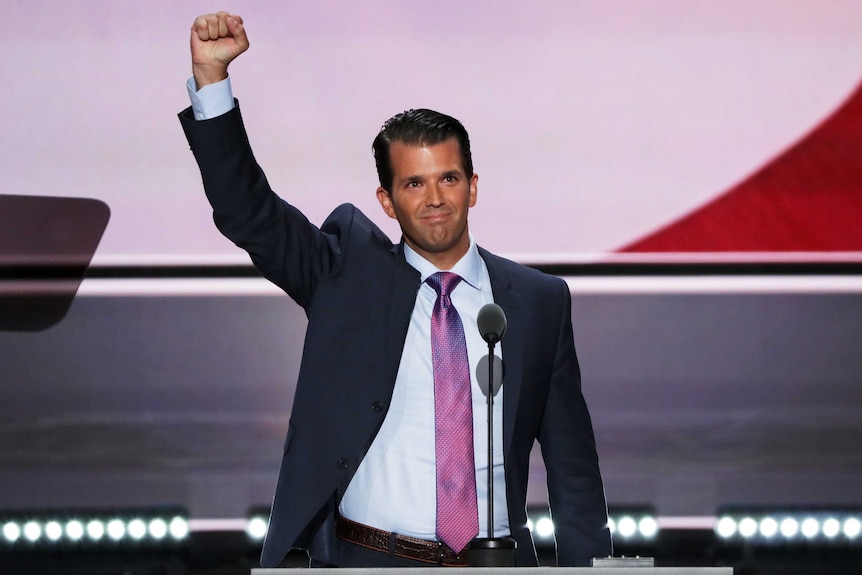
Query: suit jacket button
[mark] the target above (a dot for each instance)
(342, 463)
(377, 406)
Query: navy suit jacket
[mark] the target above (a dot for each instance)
(358, 292)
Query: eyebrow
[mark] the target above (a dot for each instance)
(413, 178)
(421, 178)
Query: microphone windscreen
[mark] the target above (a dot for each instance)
(482, 369)
(491, 322)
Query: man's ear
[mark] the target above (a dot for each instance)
(386, 202)
(474, 189)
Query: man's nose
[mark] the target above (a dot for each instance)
(434, 196)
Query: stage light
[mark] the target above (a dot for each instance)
(95, 530)
(32, 531)
(530, 524)
(545, 527)
(116, 529)
(747, 527)
(178, 528)
(810, 528)
(53, 530)
(851, 528)
(726, 527)
(768, 527)
(627, 526)
(831, 527)
(630, 526)
(256, 528)
(794, 526)
(158, 529)
(11, 531)
(137, 529)
(648, 527)
(633, 525)
(74, 530)
(789, 527)
(122, 530)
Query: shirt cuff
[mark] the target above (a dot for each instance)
(212, 100)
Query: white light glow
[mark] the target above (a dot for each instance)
(810, 528)
(32, 531)
(768, 527)
(179, 528)
(137, 529)
(74, 530)
(53, 530)
(116, 529)
(612, 525)
(648, 527)
(256, 528)
(11, 532)
(789, 527)
(158, 528)
(831, 527)
(726, 527)
(627, 526)
(852, 528)
(544, 527)
(747, 527)
(95, 530)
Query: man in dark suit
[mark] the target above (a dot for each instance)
(352, 487)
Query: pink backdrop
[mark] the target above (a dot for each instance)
(595, 123)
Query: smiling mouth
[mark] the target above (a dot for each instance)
(436, 217)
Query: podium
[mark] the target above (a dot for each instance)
(518, 571)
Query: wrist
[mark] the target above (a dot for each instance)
(208, 74)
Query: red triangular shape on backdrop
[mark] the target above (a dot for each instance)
(808, 199)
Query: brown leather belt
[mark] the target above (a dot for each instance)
(399, 545)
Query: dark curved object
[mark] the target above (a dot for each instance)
(46, 245)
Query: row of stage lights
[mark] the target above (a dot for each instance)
(831, 528)
(632, 527)
(90, 530)
(640, 526)
(635, 525)
(169, 528)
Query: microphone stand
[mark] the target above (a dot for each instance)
(491, 551)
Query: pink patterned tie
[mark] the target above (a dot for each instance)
(457, 510)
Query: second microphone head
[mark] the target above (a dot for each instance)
(492, 322)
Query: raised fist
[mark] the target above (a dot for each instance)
(216, 40)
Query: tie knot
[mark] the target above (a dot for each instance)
(443, 282)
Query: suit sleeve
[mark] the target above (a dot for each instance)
(575, 489)
(284, 246)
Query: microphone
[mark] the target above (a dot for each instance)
(491, 551)
(483, 374)
(492, 323)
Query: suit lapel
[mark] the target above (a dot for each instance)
(506, 296)
(402, 296)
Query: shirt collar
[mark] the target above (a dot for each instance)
(469, 267)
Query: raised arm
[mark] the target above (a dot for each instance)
(284, 246)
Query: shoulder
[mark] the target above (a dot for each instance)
(504, 270)
(352, 225)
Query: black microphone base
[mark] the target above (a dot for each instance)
(492, 552)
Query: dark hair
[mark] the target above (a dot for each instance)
(420, 127)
